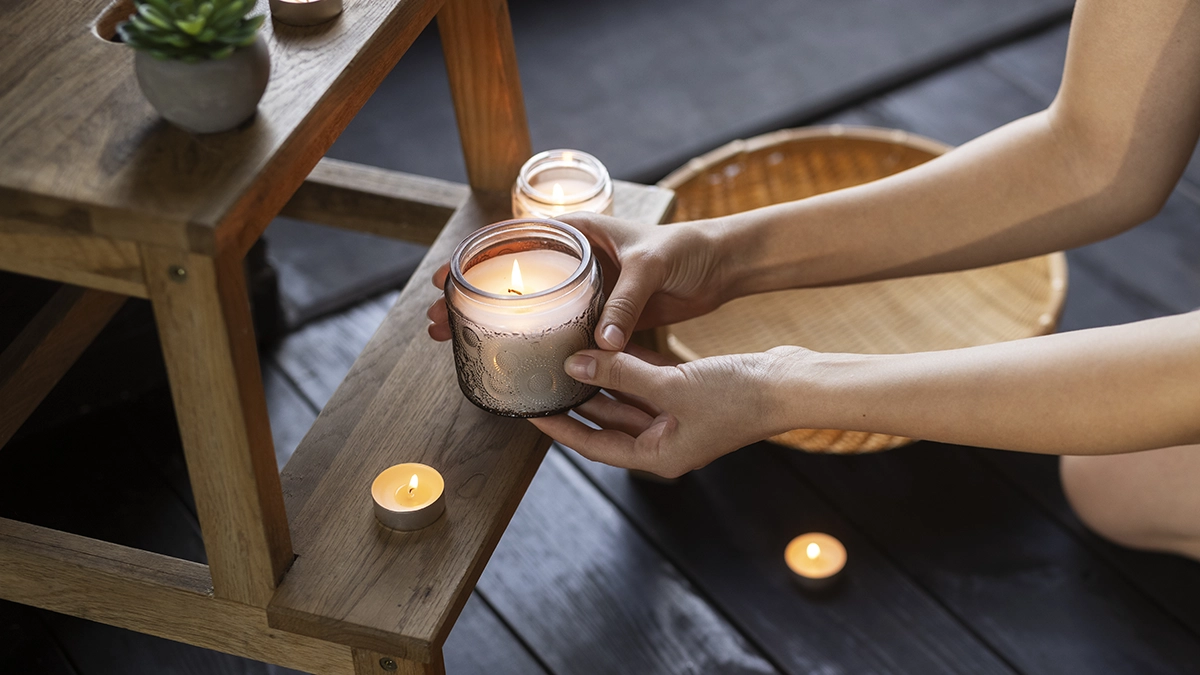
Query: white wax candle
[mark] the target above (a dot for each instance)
(408, 496)
(816, 559)
(561, 181)
(540, 269)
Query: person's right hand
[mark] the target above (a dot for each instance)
(663, 274)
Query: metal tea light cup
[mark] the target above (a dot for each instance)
(509, 349)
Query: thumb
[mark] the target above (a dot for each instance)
(623, 308)
(616, 371)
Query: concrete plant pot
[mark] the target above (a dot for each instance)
(206, 96)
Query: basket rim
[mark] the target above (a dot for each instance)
(711, 158)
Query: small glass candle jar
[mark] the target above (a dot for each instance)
(555, 182)
(522, 296)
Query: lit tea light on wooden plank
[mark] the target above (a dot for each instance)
(817, 560)
(409, 496)
(305, 12)
(555, 182)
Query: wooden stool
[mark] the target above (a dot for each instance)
(98, 193)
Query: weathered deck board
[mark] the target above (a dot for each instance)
(725, 527)
(590, 595)
(1011, 573)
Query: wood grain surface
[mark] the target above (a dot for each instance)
(353, 581)
(739, 514)
(85, 141)
(378, 201)
(204, 323)
(482, 64)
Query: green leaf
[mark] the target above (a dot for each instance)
(177, 41)
(255, 22)
(192, 26)
(223, 52)
(205, 10)
(162, 6)
(154, 16)
(208, 35)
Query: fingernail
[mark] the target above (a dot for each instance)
(580, 367)
(613, 336)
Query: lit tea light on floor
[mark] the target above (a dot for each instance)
(555, 182)
(409, 496)
(817, 560)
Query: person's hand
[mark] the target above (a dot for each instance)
(670, 419)
(662, 274)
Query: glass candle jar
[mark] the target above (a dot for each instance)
(522, 296)
(555, 182)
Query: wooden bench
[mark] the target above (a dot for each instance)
(97, 192)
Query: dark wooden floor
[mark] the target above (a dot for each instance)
(961, 560)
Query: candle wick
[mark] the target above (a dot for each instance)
(515, 291)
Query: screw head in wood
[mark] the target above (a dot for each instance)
(387, 663)
(177, 273)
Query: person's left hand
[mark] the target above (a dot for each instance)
(669, 419)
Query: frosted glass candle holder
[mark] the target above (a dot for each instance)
(522, 296)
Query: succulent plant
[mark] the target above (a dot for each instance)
(190, 30)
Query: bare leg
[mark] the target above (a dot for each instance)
(1146, 500)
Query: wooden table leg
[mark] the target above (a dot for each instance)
(367, 662)
(482, 65)
(203, 316)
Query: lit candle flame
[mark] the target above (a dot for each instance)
(557, 192)
(812, 551)
(412, 485)
(517, 287)
(568, 157)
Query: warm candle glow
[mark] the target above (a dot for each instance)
(815, 557)
(557, 193)
(568, 157)
(408, 496)
(516, 286)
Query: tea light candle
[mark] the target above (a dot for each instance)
(305, 12)
(817, 560)
(522, 296)
(555, 182)
(408, 496)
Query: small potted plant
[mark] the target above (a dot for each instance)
(200, 63)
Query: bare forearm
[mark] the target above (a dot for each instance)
(1101, 159)
(1101, 391)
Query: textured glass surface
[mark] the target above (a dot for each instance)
(521, 374)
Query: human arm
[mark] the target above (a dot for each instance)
(1102, 158)
(1099, 391)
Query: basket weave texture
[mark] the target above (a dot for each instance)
(942, 311)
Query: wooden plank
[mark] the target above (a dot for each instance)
(400, 402)
(349, 580)
(72, 258)
(1173, 582)
(367, 662)
(49, 345)
(482, 65)
(204, 323)
(725, 527)
(589, 594)
(146, 592)
(1010, 573)
(94, 144)
(377, 201)
(482, 643)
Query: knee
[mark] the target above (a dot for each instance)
(1104, 501)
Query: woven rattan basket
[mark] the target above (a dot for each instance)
(942, 311)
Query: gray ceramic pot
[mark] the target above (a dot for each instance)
(206, 96)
